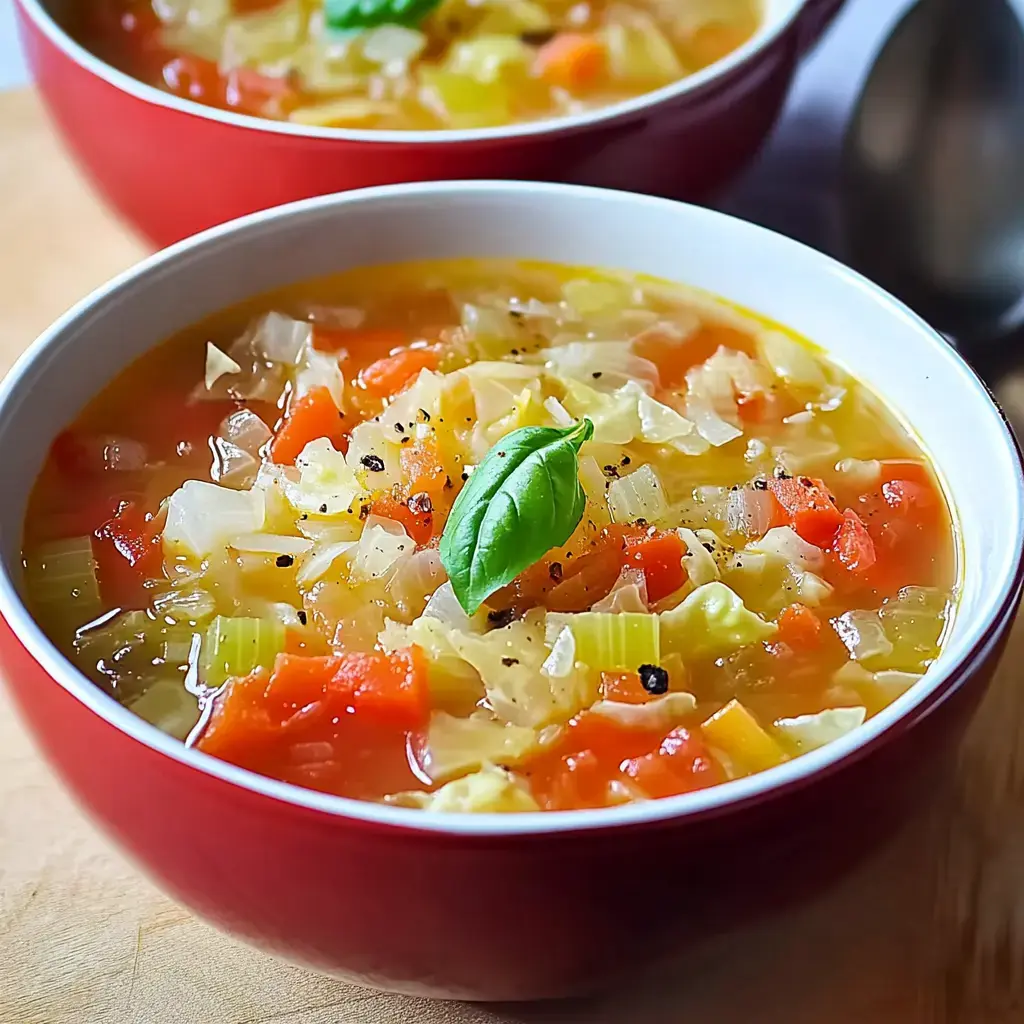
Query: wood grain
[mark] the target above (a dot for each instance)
(930, 932)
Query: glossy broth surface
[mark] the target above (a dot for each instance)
(253, 557)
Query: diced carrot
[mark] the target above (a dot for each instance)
(298, 681)
(312, 416)
(390, 375)
(580, 781)
(809, 506)
(680, 764)
(853, 544)
(660, 555)
(799, 627)
(423, 468)
(418, 523)
(240, 723)
(391, 687)
(572, 60)
(623, 687)
(585, 580)
(364, 345)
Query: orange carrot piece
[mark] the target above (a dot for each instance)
(392, 374)
(572, 60)
(853, 544)
(419, 524)
(423, 468)
(623, 687)
(799, 627)
(314, 415)
(661, 557)
(809, 506)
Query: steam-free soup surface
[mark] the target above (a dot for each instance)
(492, 536)
(424, 64)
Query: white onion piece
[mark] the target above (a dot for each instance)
(383, 544)
(629, 594)
(323, 557)
(218, 364)
(271, 544)
(748, 511)
(280, 339)
(558, 412)
(244, 429)
(715, 430)
(863, 635)
(416, 578)
(699, 563)
(785, 542)
(232, 466)
(320, 370)
(444, 606)
(637, 496)
(561, 662)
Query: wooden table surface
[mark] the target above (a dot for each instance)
(930, 932)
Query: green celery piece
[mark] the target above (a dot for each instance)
(60, 578)
(358, 14)
(616, 641)
(236, 646)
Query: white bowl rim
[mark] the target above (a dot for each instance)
(982, 637)
(770, 30)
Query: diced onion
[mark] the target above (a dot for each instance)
(232, 466)
(218, 364)
(323, 557)
(700, 564)
(280, 339)
(203, 518)
(244, 429)
(860, 473)
(748, 511)
(613, 362)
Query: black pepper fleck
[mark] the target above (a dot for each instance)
(509, 662)
(465, 476)
(653, 678)
(596, 375)
(323, 509)
(555, 571)
(760, 485)
(284, 561)
(303, 618)
(625, 460)
(500, 617)
(400, 428)
(374, 463)
(425, 415)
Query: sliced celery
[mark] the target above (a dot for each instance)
(616, 641)
(166, 704)
(747, 748)
(60, 578)
(236, 646)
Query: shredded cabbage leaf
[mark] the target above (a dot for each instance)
(712, 622)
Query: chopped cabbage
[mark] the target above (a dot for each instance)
(786, 543)
(367, 446)
(808, 732)
(459, 745)
(615, 416)
(320, 370)
(491, 790)
(382, 546)
(509, 661)
(664, 712)
(791, 361)
(860, 473)
(218, 364)
(322, 558)
(601, 364)
(326, 484)
(712, 622)
(424, 395)
(444, 606)
(203, 518)
(280, 339)
(629, 593)
(638, 496)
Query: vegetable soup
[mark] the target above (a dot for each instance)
(411, 64)
(492, 536)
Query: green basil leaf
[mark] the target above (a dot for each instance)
(359, 14)
(523, 499)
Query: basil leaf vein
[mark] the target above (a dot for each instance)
(523, 499)
(359, 14)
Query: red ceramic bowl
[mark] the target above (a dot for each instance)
(492, 906)
(173, 167)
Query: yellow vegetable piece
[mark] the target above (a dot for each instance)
(736, 733)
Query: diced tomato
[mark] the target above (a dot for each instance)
(623, 687)
(392, 374)
(660, 555)
(418, 521)
(128, 552)
(680, 764)
(799, 627)
(853, 544)
(580, 781)
(341, 723)
(312, 416)
(809, 507)
(423, 468)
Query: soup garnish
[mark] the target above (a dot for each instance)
(411, 64)
(492, 536)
